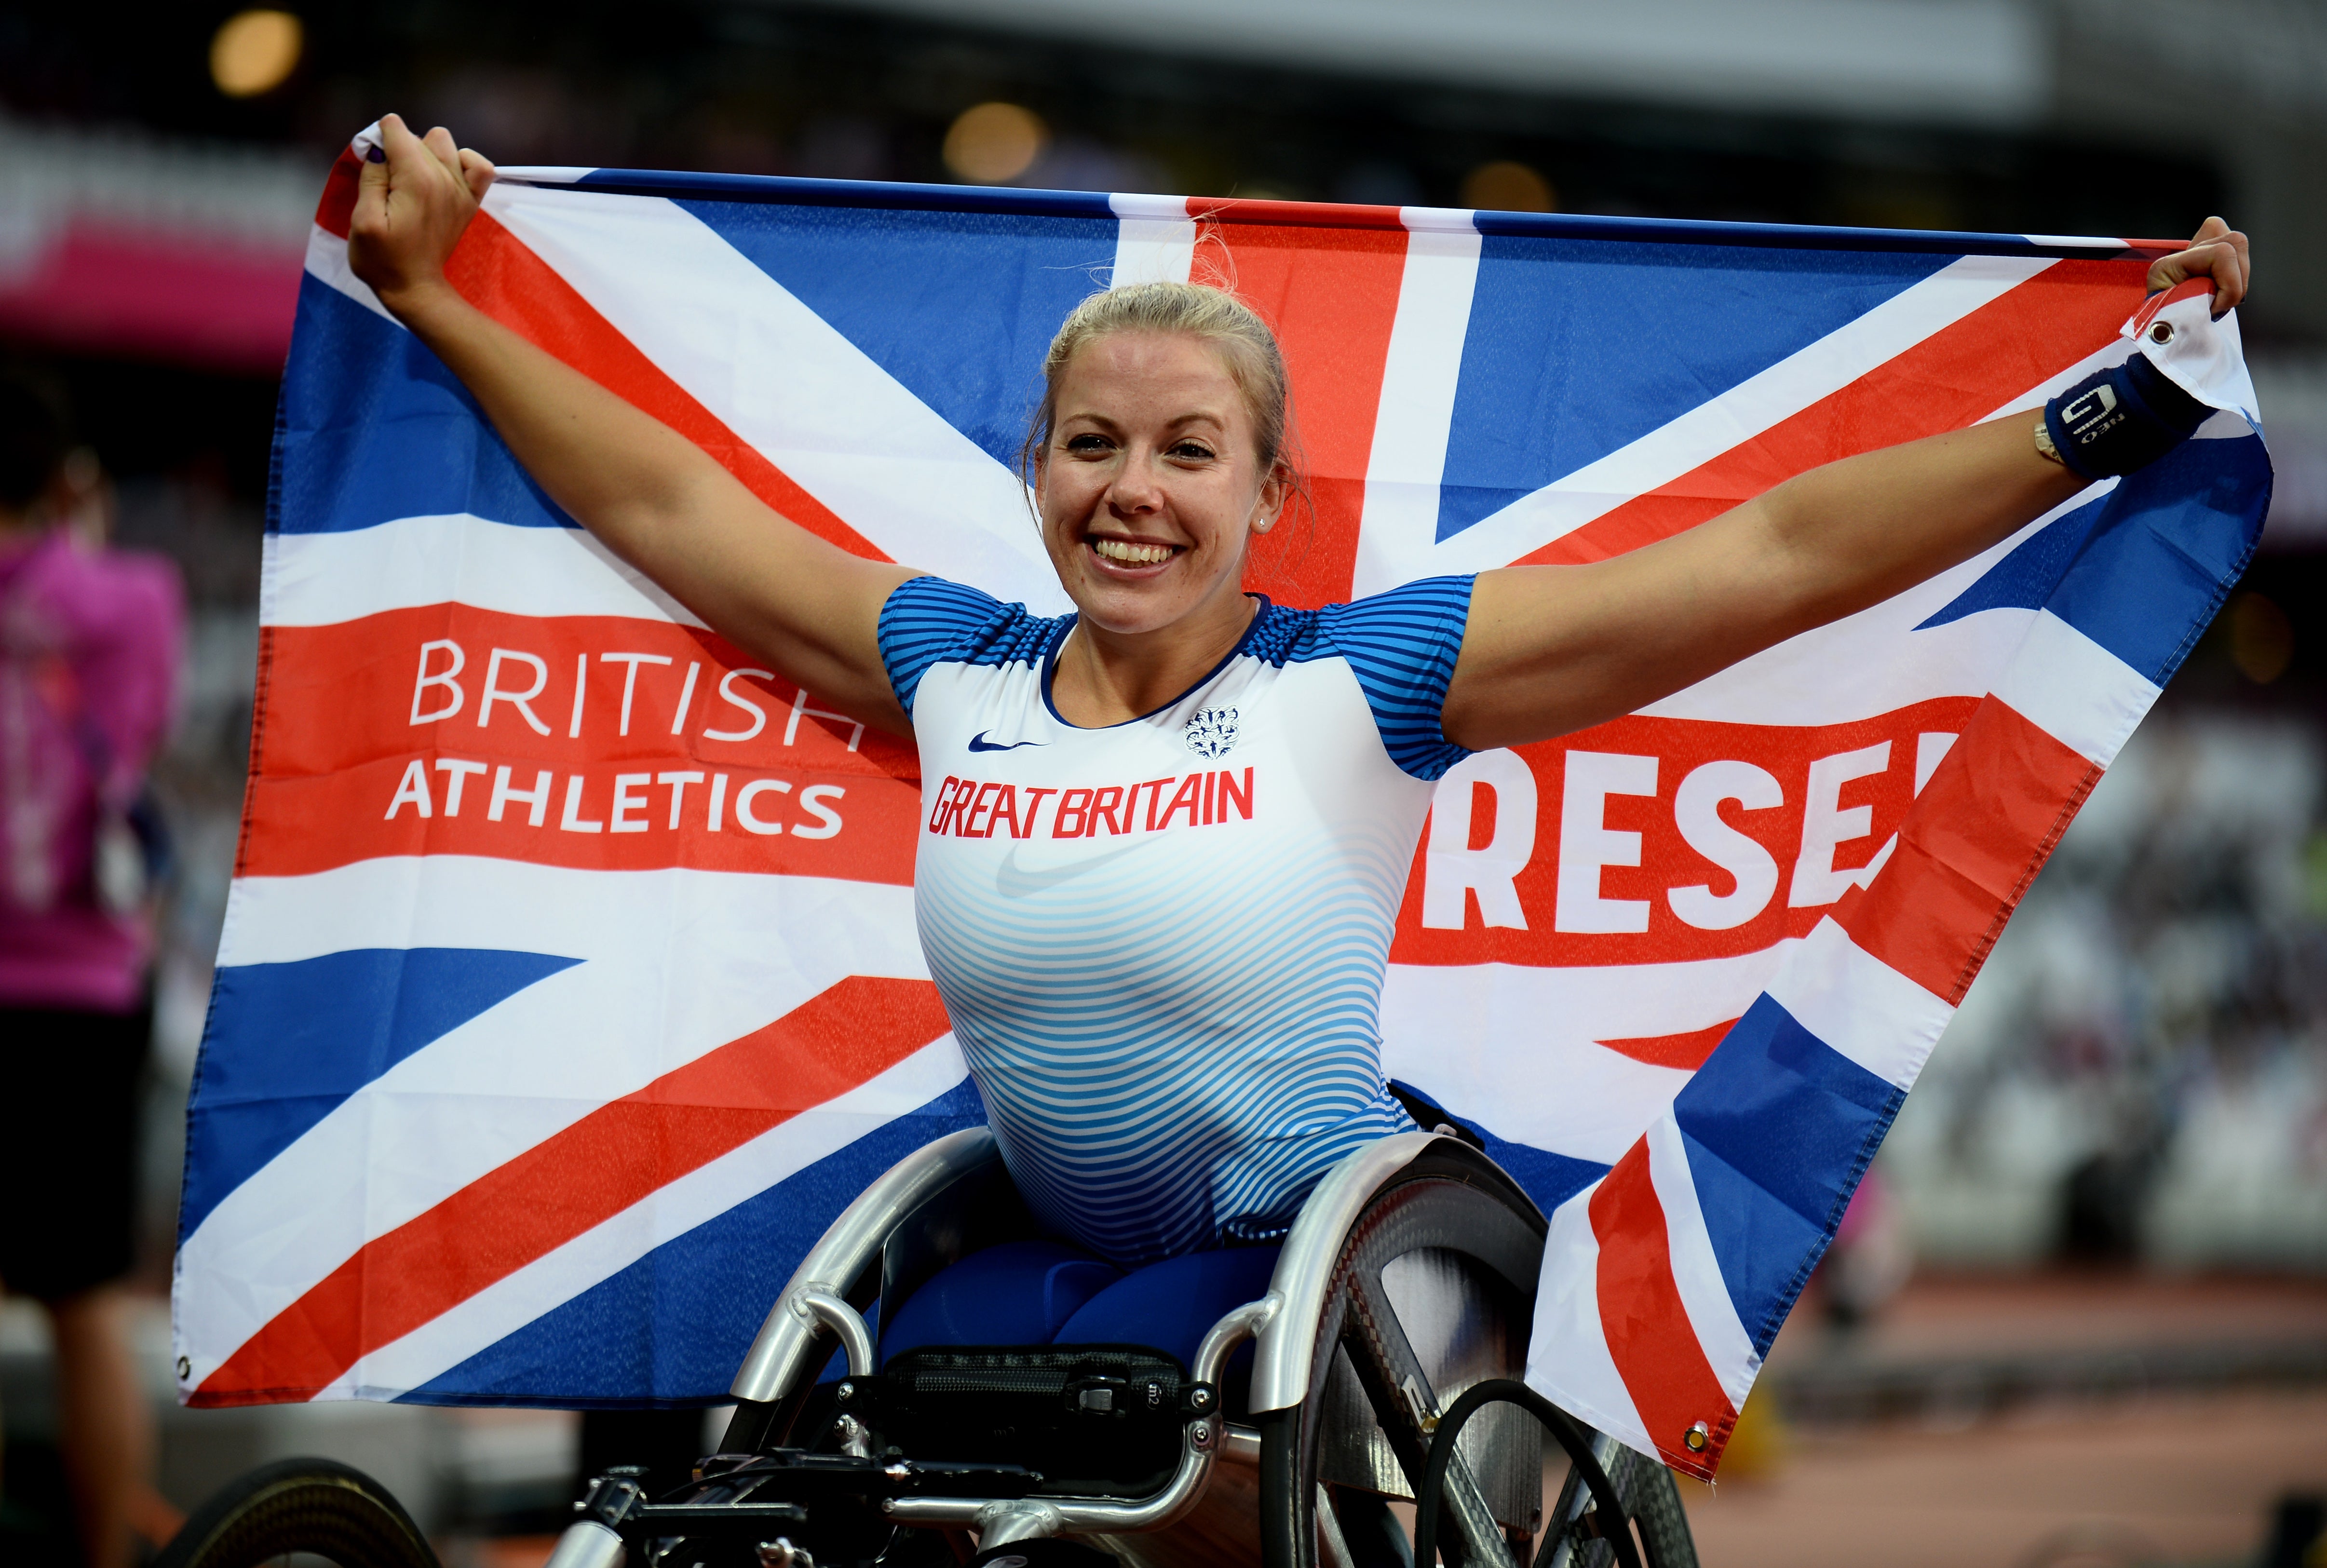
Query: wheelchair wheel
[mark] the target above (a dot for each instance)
(1649, 1495)
(1433, 1292)
(300, 1508)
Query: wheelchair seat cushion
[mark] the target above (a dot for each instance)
(1173, 1305)
(1050, 1292)
(1021, 1292)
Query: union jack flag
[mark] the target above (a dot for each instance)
(569, 985)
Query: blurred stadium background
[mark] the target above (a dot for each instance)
(2111, 1186)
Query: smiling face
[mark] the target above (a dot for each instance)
(1150, 484)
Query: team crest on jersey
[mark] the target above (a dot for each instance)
(1212, 733)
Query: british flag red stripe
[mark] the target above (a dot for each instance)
(613, 1158)
(1946, 381)
(570, 983)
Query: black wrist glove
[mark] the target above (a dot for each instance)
(2120, 419)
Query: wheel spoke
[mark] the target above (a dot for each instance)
(1331, 1545)
(1456, 1249)
(1398, 1389)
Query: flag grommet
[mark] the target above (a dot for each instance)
(2163, 332)
(1697, 1439)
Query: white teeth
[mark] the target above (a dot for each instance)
(1130, 554)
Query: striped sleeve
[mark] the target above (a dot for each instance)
(1402, 645)
(925, 620)
(928, 620)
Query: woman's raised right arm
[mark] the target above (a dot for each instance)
(655, 497)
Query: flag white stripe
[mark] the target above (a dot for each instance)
(544, 173)
(327, 262)
(1142, 205)
(1697, 1271)
(700, 1196)
(2075, 690)
(1440, 219)
(1416, 412)
(460, 900)
(1152, 245)
(745, 950)
(1738, 416)
(1448, 1029)
(1877, 661)
(786, 381)
(1567, 1353)
(1860, 1006)
(325, 579)
(1860, 668)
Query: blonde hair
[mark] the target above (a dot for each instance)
(1201, 310)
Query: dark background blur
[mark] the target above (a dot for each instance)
(2138, 1086)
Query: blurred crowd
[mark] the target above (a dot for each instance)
(2140, 1072)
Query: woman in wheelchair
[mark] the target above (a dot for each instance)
(1167, 834)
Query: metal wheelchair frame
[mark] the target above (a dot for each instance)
(914, 1220)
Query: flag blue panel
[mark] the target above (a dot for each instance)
(798, 189)
(678, 1321)
(958, 307)
(2171, 541)
(372, 427)
(310, 1033)
(2140, 570)
(1779, 1127)
(1550, 1179)
(2027, 576)
(1577, 348)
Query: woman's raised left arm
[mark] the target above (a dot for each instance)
(1552, 649)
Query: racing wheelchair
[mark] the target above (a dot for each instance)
(1380, 1370)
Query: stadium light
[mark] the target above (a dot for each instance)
(253, 51)
(1504, 186)
(2262, 638)
(994, 141)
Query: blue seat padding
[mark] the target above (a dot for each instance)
(1048, 1293)
(1021, 1292)
(1170, 1305)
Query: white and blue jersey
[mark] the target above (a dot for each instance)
(1162, 943)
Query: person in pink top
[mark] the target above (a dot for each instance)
(89, 654)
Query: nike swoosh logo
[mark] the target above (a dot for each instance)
(978, 742)
(1013, 881)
